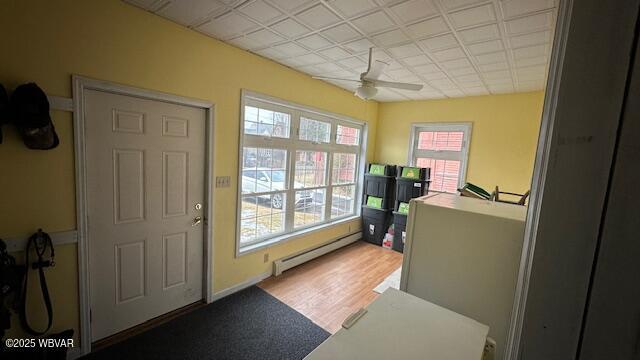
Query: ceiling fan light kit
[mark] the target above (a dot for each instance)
(366, 91)
(369, 82)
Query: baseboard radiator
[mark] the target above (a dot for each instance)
(289, 262)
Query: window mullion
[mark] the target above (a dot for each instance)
(291, 191)
(329, 192)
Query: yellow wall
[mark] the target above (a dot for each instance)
(503, 138)
(48, 41)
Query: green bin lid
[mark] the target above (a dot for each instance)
(403, 208)
(376, 169)
(374, 202)
(410, 172)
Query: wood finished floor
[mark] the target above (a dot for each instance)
(332, 287)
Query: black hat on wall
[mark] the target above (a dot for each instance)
(30, 113)
(4, 109)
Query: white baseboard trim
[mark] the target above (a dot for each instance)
(241, 286)
(302, 257)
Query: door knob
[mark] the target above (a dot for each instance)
(197, 220)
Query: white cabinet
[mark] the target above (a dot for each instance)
(464, 254)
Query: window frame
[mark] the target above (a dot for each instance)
(462, 156)
(291, 145)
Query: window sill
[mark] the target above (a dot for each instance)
(247, 249)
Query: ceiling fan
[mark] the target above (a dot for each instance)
(369, 82)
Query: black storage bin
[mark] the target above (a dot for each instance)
(399, 231)
(380, 186)
(407, 189)
(375, 223)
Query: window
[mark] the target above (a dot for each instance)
(299, 170)
(444, 149)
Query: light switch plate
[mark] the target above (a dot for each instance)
(223, 181)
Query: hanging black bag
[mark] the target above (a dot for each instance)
(39, 241)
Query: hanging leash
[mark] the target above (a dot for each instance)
(40, 241)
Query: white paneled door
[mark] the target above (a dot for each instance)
(145, 192)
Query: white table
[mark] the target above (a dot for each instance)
(401, 326)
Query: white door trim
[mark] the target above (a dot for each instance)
(80, 84)
(543, 155)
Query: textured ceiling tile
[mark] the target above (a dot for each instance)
(540, 60)
(335, 53)
(491, 58)
(529, 23)
(454, 4)
(416, 60)
(449, 54)
(480, 33)
(290, 5)
(310, 59)
(260, 11)
(456, 64)
(265, 37)
(426, 69)
(245, 43)
(373, 23)
(530, 51)
(290, 49)
(462, 71)
(494, 67)
(493, 75)
(314, 42)
(434, 75)
(358, 46)
(428, 28)
(351, 8)
(341, 33)
(512, 8)
(529, 39)
(318, 17)
(390, 38)
(227, 25)
(405, 51)
(440, 42)
(271, 53)
(485, 47)
(473, 16)
(353, 63)
(413, 10)
(290, 28)
(328, 67)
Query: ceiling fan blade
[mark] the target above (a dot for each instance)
(397, 85)
(375, 70)
(334, 78)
